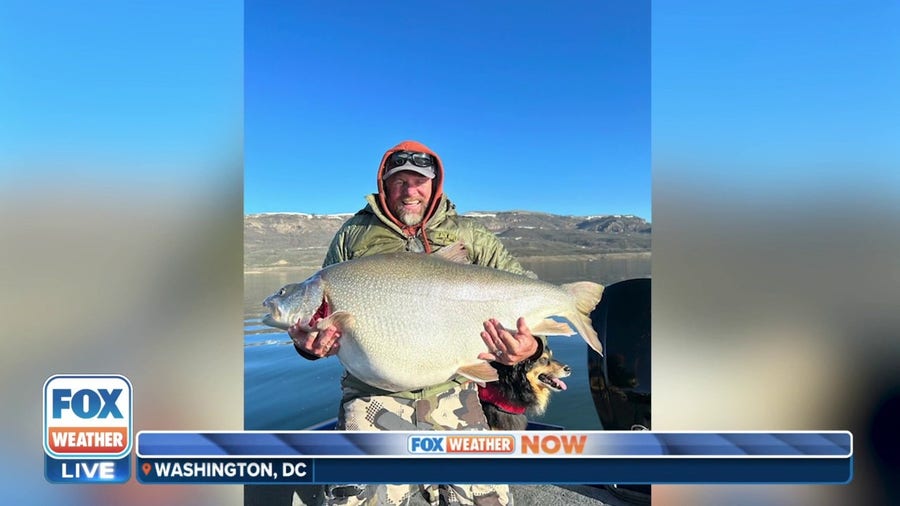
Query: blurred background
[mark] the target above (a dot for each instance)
(121, 138)
(776, 185)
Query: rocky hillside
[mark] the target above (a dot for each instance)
(296, 239)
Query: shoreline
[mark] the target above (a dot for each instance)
(580, 257)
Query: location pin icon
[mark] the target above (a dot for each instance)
(146, 468)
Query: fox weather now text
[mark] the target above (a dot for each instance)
(461, 444)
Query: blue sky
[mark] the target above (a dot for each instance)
(531, 105)
(119, 91)
(534, 106)
(785, 94)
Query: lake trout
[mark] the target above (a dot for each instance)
(409, 320)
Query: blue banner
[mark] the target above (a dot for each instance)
(513, 444)
(515, 471)
(81, 470)
(314, 457)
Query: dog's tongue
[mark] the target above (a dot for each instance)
(560, 383)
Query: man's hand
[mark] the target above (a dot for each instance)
(314, 343)
(505, 347)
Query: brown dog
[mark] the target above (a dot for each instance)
(523, 387)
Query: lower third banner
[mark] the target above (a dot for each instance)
(458, 457)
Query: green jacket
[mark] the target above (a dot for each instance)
(370, 232)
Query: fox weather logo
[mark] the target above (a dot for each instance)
(87, 428)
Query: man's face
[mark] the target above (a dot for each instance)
(408, 194)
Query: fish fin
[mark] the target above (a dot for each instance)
(480, 373)
(549, 327)
(455, 252)
(587, 295)
(340, 319)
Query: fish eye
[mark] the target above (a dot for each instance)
(281, 292)
(544, 361)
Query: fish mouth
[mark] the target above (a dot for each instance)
(273, 318)
(272, 322)
(552, 382)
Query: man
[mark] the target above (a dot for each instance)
(411, 213)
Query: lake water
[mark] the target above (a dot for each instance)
(284, 391)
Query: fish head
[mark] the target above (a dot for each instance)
(293, 302)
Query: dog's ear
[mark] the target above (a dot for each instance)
(529, 362)
(503, 370)
(502, 367)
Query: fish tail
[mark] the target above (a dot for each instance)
(587, 295)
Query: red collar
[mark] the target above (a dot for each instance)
(490, 393)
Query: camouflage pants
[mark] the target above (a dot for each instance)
(418, 495)
(454, 409)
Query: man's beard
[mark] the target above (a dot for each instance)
(409, 218)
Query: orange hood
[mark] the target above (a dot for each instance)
(437, 185)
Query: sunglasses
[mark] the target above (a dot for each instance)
(401, 157)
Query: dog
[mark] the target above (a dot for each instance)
(523, 387)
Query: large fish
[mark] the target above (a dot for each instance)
(410, 320)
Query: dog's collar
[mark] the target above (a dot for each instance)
(491, 394)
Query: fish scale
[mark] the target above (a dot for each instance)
(410, 320)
